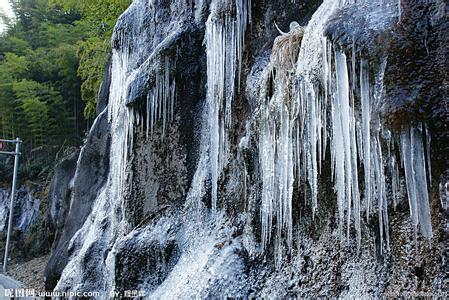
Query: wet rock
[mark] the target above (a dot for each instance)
(167, 245)
(26, 209)
(60, 191)
(90, 175)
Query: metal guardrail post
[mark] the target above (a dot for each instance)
(11, 205)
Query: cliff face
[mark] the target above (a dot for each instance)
(239, 159)
(26, 209)
(29, 227)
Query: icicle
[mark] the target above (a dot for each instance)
(345, 150)
(338, 158)
(444, 195)
(267, 152)
(410, 180)
(311, 128)
(419, 170)
(380, 189)
(366, 132)
(355, 184)
(159, 96)
(148, 114)
(225, 41)
(298, 158)
(428, 141)
(394, 179)
(166, 95)
(153, 110)
(415, 175)
(160, 101)
(214, 152)
(172, 102)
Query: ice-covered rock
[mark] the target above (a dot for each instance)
(254, 153)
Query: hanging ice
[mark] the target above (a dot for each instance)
(366, 132)
(277, 144)
(107, 216)
(159, 104)
(324, 109)
(416, 179)
(444, 194)
(224, 39)
(344, 148)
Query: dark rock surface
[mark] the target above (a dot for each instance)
(364, 28)
(26, 209)
(417, 72)
(60, 192)
(90, 175)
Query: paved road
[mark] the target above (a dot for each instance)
(8, 283)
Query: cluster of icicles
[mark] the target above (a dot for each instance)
(338, 107)
(293, 144)
(295, 133)
(225, 36)
(334, 107)
(159, 105)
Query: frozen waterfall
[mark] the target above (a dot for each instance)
(233, 165)
(106, 220)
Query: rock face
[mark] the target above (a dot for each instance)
(60, 190)
(75, 185)
(268, 149)
(29, 234)
(26, 209)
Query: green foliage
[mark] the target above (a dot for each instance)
(98, 20)
(9, 42)
(36, 112)
(93, 56)
(52, 57)
(17, 65)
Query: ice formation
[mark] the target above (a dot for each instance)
(107, 211)
(159, 104)
(413, 155)
(204, 263)
(107, 222)
(337, 102)
(225, 33)
(444, 195)
(276, 144)
(325, 105)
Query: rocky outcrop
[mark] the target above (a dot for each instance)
(30, 234)
(103, 93)
(185, 212)
(60, 192)
(76, 183)
(26, 209)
